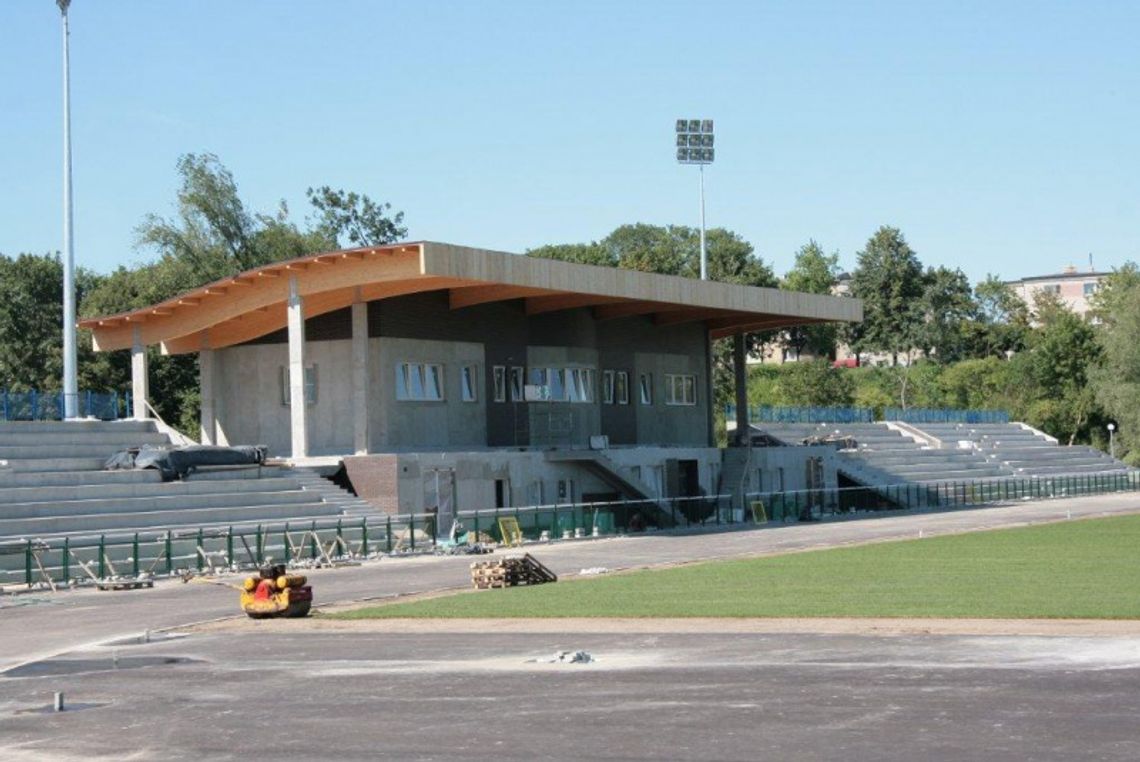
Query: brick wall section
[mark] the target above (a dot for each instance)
(373, 478)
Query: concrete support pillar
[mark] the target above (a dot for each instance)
(360, 376)
(208, 427)
(140, 377)
(298, 410)
(740, 377)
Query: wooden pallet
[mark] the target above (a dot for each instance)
(513, 571)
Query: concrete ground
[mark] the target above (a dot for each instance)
(660, 692)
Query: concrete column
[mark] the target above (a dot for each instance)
(360, 375)
(208, 427)
(740, 378)
(140, 379)
(298, 410)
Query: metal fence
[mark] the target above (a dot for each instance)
(944, 415)
(149, 554)
(48, 406)
(779, 414)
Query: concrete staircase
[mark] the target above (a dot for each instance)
(53, 487)
(1025, 451)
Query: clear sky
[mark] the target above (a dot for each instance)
(1001, 137)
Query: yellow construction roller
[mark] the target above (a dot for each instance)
(273, 593)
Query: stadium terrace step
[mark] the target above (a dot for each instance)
(137, 489)
(16, 479)
(74, 427)
(149, 520)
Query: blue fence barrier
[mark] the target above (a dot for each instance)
(944, 415)
(48, 406)
(771, 414)
(775, 414)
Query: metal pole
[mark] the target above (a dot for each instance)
(70, 382)
(704, 253)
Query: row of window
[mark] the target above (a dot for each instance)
(423, 382)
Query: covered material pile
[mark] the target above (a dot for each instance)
(510, 572)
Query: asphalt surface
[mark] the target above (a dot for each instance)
(269, 693)
(647, 697)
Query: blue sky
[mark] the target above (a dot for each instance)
(1000, 136)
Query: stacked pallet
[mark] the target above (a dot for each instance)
(511, 571)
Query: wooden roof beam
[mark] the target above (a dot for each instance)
(628, 309)
(674, 317)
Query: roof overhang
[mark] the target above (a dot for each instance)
(253, 303)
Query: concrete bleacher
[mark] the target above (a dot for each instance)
(52, 486)
(887, 453)
(1025, 451)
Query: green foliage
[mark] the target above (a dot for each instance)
(814, 273)
(1050, 571)
(1116, 383)
(815, 384)
(889, 280)
(352, 219)
(947, 307)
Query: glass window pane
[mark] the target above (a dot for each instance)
(557, 384)
(433, 387)
(608, 387)
(646, 389)
(402, 381)
(467, 379)
(690, 390)
(621, 388)
(517, 377)
(415, 381)
(500, 380)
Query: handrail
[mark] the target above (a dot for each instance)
(179, 438)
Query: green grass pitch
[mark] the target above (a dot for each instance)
(1074, 569)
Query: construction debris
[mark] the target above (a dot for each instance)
(567, 657)
(591, 571)
(512, 571)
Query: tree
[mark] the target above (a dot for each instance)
(816, 384)
(1061, 355)
(814, 272)
(1116, 383)
(354, 219)
(947, 307)
(1001, 325)
(889, 280)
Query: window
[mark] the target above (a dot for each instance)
(607, 387)
(557, 378)
(645, 383)
(310, 385)
(621, 388)
(517, 378)
(419, 382)
(1090, 289)
(1051, 288)
(680, 390)
(469, 390)
(499, 377)
(580, 385)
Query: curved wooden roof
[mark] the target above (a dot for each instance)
(253, 303)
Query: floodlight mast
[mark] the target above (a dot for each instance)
(695, 146)
(70, 381)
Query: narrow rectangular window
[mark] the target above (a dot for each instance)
(558, 384)
(607, 387)
(310, 382)
(499, 377)
(621, 388)
(467, 378)
(517, 378)
(646, 386)
(588, 379)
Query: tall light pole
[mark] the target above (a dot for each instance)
(695, 146)
(70, 381)
(1111, 440)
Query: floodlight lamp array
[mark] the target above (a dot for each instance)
(695, 141)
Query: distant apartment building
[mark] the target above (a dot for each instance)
(1075, 288)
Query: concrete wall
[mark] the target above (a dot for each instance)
(527, 476)
(423, 328)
